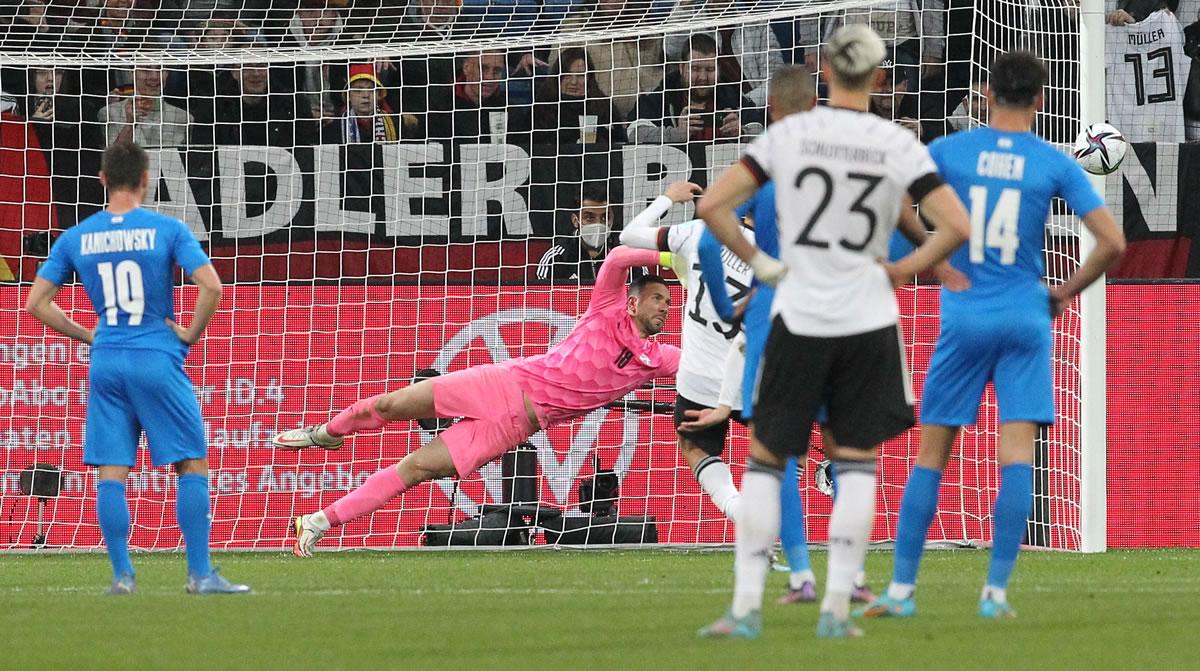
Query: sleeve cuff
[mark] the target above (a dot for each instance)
(760, 175)
(922, 185)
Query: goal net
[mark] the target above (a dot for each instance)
(387, 190)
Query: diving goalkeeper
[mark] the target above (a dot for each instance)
(608, 354)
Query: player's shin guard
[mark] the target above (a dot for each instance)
(112, 512)
(362, 416)
(917, 508)
(192, 511)
(849, 530)
(1013, 503)
(715, 479)
(380, 488)
(791, 530)
(757, 527)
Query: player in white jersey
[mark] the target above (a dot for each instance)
(706, 340)
(1146, 76)
(842, 176)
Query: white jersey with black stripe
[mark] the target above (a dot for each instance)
(840, 178)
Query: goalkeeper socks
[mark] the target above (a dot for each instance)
(1009, 518)
(112, 512)
(716, 481)
(849, 529)
(791, 530)
(362, 416)
(757, 527)
(917, 508)
(373, 495)
(192, 513)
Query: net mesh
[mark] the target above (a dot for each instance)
(388, 190)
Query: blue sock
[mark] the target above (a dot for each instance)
(1013, 503)
(917, 508)
(192, 512)
(791, 531)
(112, 511)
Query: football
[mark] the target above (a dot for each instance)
(1100, 148)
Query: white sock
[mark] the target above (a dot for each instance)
(797, 579)
(319, 521)
(716, 481)
(849, 530)
(997, 594)
(756, 532)
(900, 591)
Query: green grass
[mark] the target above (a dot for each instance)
(552, 611)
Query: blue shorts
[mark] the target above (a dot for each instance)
(131, 390)
(1010, 350)
(757, 323)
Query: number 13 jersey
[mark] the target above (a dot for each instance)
(840, 177)
(706, 338)
(1147, 73)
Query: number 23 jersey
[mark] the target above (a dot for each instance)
(840, 177)
(126, 264)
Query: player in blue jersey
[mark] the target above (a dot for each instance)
(997, 330)
(125, 257)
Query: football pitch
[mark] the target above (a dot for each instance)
(548, 610)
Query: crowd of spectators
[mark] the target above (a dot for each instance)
(681, 88)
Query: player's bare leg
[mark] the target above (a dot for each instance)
(713, 475)
(1009, 516)
(429, 462)
(412, 402)
(917, 509)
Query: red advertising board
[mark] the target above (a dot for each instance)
(277, 357)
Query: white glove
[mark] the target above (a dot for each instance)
(767, 269)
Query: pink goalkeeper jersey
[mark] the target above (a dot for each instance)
(603, 358)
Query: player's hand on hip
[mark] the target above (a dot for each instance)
(767, 269)
(896, 275)
(181, 332)
(703, 419)
(1059, 301)
(682, 192)
(950, 277)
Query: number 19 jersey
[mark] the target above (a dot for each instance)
(840, 177)
(126, 264)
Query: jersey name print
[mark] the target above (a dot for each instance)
(1146, 76)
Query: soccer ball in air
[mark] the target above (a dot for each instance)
(1100, 148)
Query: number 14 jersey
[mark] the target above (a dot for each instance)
(840, 177)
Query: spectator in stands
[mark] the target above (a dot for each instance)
(746, 53)
(624, 67)
(255, 108)
(479, 112)
(570, 108)
(33, 27)
(26, 214)
(889, 100)
(318, 85)
(577, 257)
(202, 88)
(972, 112)
(124, 25)
(914, 29)
(367, 116)
(693, 104)
(52, 109)
(144, 117)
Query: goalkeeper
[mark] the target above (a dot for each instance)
(608, 354)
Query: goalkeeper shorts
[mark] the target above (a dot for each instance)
(492, 408)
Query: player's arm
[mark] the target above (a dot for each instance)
(915, 232)
(712, 270)
(716, 208)
(41, 305)
(643, 232)
(1110, 244)
(611, 280)
(205, 277)
(951, 227)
